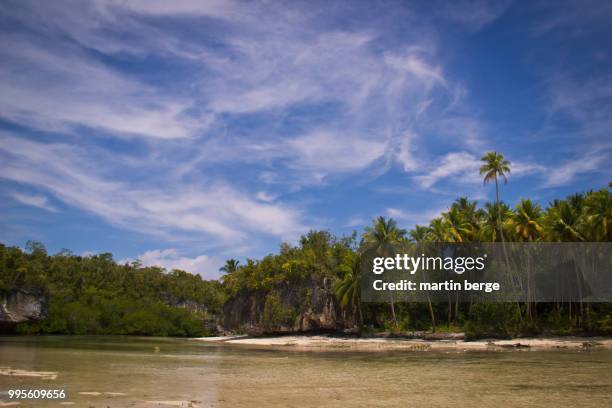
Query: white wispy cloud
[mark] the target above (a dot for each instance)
(356, 221)
(412, 218)
(266, 59)
(566, 172)
(171, 258)
(456, 166)
(37, 201)
(265, 197)
(62, 88)
(213, 208)
(572, 17)
(471, 14)
(463, 168)
(329, 152)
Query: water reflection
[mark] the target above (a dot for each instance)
(142, 372)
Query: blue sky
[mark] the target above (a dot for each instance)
(187, 132)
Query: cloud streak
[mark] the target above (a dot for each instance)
(170, 259)
(37, 201)
(215, 209)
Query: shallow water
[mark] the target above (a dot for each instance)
(141, 372)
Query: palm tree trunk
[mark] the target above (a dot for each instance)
(499, 221)
(496, 191)
(450, 310)
(433, 316)
(456, 308)
(393, 313)
(529, 294)
(360, 314)
(501, 235)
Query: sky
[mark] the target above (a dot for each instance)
(188, 132)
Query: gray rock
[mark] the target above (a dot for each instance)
(307, 307)
(22, 305)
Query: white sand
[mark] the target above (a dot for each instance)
(187, 404)
(383, 344)
(45, 375)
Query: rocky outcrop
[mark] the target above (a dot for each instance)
(210, 323)
(307, 307)
(22, 305)
(183, 303)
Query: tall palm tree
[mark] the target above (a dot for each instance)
(526, 225)
(382, 235)
(348, 290)
(495, 166)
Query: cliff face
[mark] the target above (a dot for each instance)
(22, 305)
(308, 307)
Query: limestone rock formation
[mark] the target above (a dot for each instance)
(307, 307)
(22, 305)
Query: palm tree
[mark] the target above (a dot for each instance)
(439, 230)
(348, 290)
(564, 221)
(489, 226)
(419, 234)
(526, 221)
(459, 229)
(470, 214)
(382, 235)
(383, 232)
(598, 210)
(494, 167)
(231, 266)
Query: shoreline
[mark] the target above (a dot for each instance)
(331, 343)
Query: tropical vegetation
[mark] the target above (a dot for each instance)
(95, 294)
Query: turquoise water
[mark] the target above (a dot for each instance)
(107, 371)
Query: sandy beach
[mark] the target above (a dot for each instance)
(323, 342)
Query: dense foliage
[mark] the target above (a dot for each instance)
(96, 295)
(317, 256)
(580, 217)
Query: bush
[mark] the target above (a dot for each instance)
(493, 320)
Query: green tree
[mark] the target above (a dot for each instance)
(492, 216)
(598, 213)
(348, 289)
(419, 234)
(383, 234)
(458, 228)
(495, 166)
(231, 265)
(526, 221)
(564, 221)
